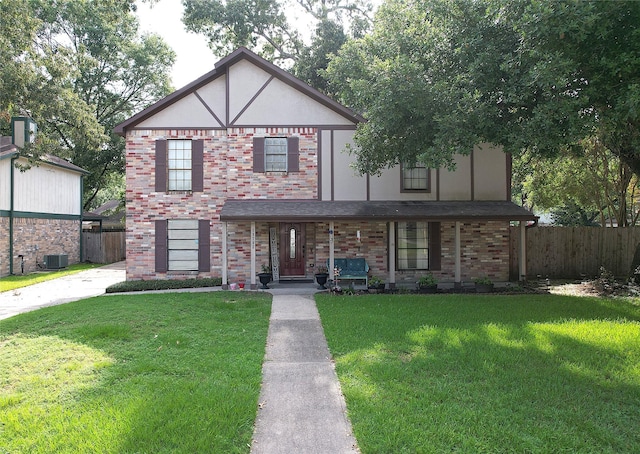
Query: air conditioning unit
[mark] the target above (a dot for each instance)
(55, 262)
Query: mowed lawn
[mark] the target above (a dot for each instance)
(488, 374)
(173, 373)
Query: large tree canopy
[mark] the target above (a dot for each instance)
(269, 27)
(438, 76)
(78, 68)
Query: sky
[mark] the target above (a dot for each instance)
(193, 56)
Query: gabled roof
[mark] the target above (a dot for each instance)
(221, 69)
(9, 150)
(315, 210)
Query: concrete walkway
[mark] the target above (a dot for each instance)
(301, 409)
(65, 289)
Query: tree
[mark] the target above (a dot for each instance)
(265, 27)
(84, 70)
(438, 76)
(580, 188)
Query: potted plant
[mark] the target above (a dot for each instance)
(375, 285)
(322, 274)
(483, 285)
(265, 276)
(427, 284)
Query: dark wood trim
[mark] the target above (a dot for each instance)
(438, 184)
(471, 166)
(253, 98)
(333, 164)
(319, 162)
(209, 109)
(509, 175)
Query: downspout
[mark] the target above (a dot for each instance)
(11, 208)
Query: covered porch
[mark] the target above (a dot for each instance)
(464, 237)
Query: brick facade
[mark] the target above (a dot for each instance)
(228, 174)
(36, 237)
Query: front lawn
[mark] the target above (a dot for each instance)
(465, 373)
(174, 373)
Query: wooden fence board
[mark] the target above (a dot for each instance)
(105, 247)
(574, 252)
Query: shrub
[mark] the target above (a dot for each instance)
(139, 286)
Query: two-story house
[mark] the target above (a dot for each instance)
(246, 166)
(40, 206)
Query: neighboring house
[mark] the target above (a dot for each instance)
(40, 208)
(246, 166)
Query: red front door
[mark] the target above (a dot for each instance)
(292, 249)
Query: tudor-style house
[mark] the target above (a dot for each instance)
(246, 167)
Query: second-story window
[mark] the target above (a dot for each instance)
(179, 165)
(415, 178)
(275, 154)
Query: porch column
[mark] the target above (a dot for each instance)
(392, 254)
(331, 255)
(458, 267)
(522, 266)
(253, 255)
(225, 283)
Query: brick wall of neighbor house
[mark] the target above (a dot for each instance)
(34, 238)
(228, 173)
(4, 246)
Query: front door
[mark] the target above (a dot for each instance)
(292, 249)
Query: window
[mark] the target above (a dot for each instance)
(179, 165)
(275, 154)
(182, 245)
(415, 178)
(413, 246)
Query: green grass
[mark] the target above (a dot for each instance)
(462, 373)
(23, 280)
(156, 373)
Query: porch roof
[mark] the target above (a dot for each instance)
(318, 210)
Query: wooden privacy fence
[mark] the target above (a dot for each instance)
(574, 252)
(105, 247)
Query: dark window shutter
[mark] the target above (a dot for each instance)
(161, 166)
(293, 164)
(435, 252)
(197, 172)
(258, 154)
(161, 246)
(204, 246)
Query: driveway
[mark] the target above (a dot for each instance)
(65, 289)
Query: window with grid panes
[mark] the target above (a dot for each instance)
(275, 154)
(415, 178)
(179, 165)
(412, 245)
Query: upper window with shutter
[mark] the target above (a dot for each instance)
(275, 154)
(179, 165)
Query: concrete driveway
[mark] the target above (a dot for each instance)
(77, 286)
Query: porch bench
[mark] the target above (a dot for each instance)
(355, 269)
